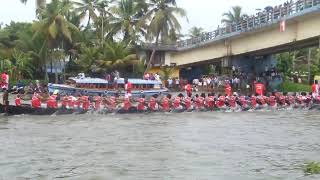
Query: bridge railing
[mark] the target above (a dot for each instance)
(268, 16)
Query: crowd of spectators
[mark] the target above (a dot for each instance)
(239, 81)
(151, 76)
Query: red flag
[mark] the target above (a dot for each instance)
(282, 25)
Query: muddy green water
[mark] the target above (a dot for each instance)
(195, 146)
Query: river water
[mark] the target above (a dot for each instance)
(195, 146)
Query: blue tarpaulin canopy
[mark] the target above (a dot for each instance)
(139, 81)
(89, 80)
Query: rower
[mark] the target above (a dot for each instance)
(166, 103)
(71, 102)
(210, 101)
(221, 101)
(232, 102)
(18, 100)
(153, 103)
(64, 103)
(85, 102)
(243, 102)
(112, 105)
(187, 103)
(78, 102)
(253, 101)
(35, 101)
(177, 103)
(52, 102)
(126, 104)
(272, 102)
(142, 103)
(97, 100)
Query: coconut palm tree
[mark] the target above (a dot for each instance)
(116, 55)
(54, 24)
(235, 15)
(196, 32)
(87, 8)
(23, 64)
(54, 27)
(162, 16)
(125, 19)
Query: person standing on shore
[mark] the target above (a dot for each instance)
(228, 89)
(315, 89)
(128, 88)
(5, 80)
(259, 88)
(188, 89)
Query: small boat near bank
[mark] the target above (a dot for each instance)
(98, 86)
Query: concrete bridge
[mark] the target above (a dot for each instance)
(256, 36)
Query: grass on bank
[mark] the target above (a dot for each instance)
(312, 168)
(295, 87)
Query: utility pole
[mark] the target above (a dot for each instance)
(293, 62)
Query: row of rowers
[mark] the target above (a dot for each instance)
(168, 103)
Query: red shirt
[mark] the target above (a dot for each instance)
(253, 101)
(152, 104)
(126, 104)
(272, 100)
(187, 103)
(314, 88)
(18, 101)
(71, 102)
(85, 103)
(176, 102)
(65, 101)
(259, 88)
(228, 90)
(221, 101)
(243, 101)
(97, 103)
(35, 102)
(210, 102)
(141, 105)
(232, 101)
(128, 87)
(165, 104)
(112, 102)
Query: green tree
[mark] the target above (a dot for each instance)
(235, 15)
(162, 16)
(125, 19)
(54, 26)
(196, 32)
(116, 55)
(87, 9)
(23, 64)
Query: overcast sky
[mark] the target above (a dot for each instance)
(201, 13)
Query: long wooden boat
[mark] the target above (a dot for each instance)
(27, 109)
(97, 86)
